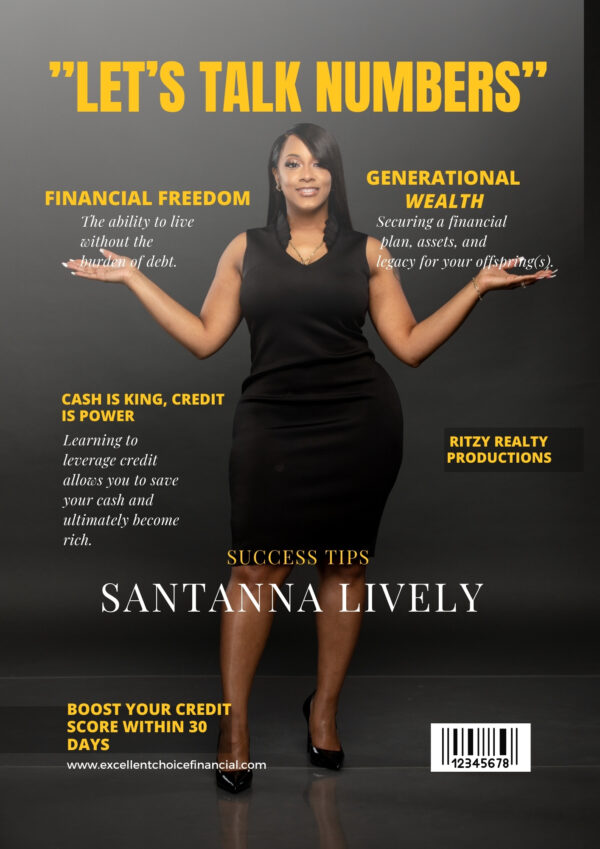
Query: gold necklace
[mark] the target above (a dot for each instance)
(308, 258)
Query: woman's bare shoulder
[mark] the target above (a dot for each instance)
(233, 255)
(375, 252)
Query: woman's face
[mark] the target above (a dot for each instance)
(305, 184)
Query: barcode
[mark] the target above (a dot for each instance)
(480, 747)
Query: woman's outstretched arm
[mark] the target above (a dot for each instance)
(220, 313)
(413, 341)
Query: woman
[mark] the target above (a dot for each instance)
(318, 431)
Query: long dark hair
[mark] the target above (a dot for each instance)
(323, 147)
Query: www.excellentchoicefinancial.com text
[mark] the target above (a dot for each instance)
(161, 764)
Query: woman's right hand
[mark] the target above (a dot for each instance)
(201, 334)
(121, 269)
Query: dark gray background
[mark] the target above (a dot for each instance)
(522, 359)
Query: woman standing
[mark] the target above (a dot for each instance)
(317, 438)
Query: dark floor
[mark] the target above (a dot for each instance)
(385, 796)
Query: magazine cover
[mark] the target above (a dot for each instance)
(297, 427)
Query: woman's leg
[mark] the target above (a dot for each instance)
(337, 634)
(243, 638)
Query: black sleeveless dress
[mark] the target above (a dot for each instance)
(317, 434)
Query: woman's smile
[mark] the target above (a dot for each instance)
(301, 177)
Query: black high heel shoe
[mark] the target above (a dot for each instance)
(325, 758)
(235, 780)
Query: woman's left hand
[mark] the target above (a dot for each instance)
(497, 277)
